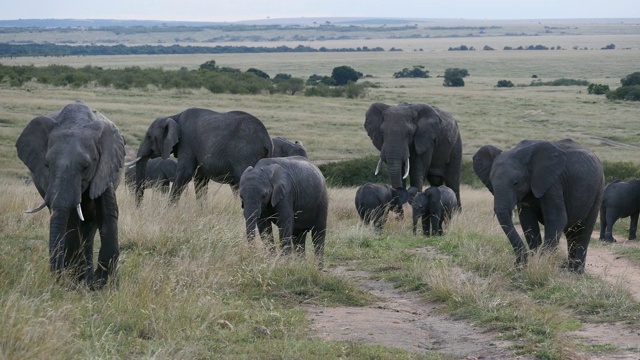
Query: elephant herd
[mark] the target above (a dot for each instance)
(75, 156)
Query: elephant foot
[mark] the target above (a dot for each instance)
(608, 240)
(632, 237)
(576, 267)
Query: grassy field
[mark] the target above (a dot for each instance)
(191, 287)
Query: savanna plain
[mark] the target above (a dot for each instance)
(189, 285)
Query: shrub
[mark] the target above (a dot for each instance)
(630, 93)
(561, 82)
(598, 89)
(417, 72)
(343, 74)
(620, 170)
(453, 76)
(504, 83)
(631, 79)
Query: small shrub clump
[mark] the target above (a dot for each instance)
(598, 89)
(630, 89)
(418, 71)
(504, 83)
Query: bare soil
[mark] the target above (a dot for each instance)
(407, 321)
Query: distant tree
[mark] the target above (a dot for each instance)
(598, 89)
(631, 79)
(504, 83)
(343, 74)
(488, 48)
(290, 86)
(281, 77)
(417, 72)
(609, 47)
(258, 73)
(454, 77)
(209, 65)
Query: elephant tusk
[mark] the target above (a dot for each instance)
(132, 161)
(35, 210)
(378, 167)
(79, 210)
(407, 171)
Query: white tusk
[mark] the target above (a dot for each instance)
(79, 210)
(35, 210)
(407, 172)
(378, 166)
(132, 161)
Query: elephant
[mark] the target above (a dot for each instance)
(283, 147)
(419, 141)
(374, 201)
(291, 193)
(558, 184)
(620, 199)
(435, 205)
(208, 145)
(75, 156)
(160, 173)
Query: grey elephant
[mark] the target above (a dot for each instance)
(434, 206)
(291, 193)
(374, 201)
(208, 145)
(620, 199)
(558, 184)
(419, 141)
(283, 147)
(75, 156)
(160, 173)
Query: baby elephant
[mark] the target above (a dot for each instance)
(435, 205)
(620, 199)
(374, 201)
(160, 174)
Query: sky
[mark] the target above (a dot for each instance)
(236, 10)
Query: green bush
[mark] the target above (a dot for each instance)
(620, 170)
(598, 89)
(454, 77)
(631, 79)
(631, 93)
(417, 72)
(561, 82)
(504, 83)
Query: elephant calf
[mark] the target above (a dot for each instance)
(435, 205)
(283, 147)
(291, 193)
(374, 201)
(160, 173)
(620, 199)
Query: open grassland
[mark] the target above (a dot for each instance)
(191, 287)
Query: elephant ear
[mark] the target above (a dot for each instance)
(171, 138)
(482, 163)
(429, 123)
(373, 122)
(546, 164)
(32, 147)
(280, 182)
(110, 145)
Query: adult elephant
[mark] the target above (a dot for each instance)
(208, 145)
(558, 184)
(621, 199)
(419, 141)
(283, 147)
(75, 156)
(291, 193)
(160, 173)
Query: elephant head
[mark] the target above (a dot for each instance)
(532, 167)
(161, 140)
(400, 132)
(261, 188)
(72, 154)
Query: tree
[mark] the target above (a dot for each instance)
(343, 74)
(258, 73)
(598, 89)
(504, 83)
(417, 72)
(631, 79)
(454, 77)
(209, 65)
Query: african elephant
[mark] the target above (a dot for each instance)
(160, 173)
(558, 184)
(416, 140)
(374, 201)
(620, 199)
(435, 205)
(283, 147)
(291, 193)
(208, 145)
(75, 156)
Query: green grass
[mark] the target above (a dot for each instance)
(191, 287)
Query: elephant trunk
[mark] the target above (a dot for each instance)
(57, 232)
(416, 215)
(395, 173)
(141, 173)
(251, 216)
(435, 224)
(504, 214)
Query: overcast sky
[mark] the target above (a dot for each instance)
(234, 10)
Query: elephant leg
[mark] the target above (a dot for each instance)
(603, 222)
(184, 174)
(299, 239)
(201, 185)
(555, 221)
(633, 226)
(426, 225)
(577, 242)
(266, 233)
(108, 227)
(531, 229)
(317, 238)
(611, 217)
(286, 238)
(380, 218)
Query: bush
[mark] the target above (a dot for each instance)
(598, 89)
(631, 79)
(417, 72)
(630, 93)
(343, 74)
(453, 77)
(620, 170)
(561, 82)
(504, 83)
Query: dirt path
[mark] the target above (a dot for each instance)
(406, 321)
